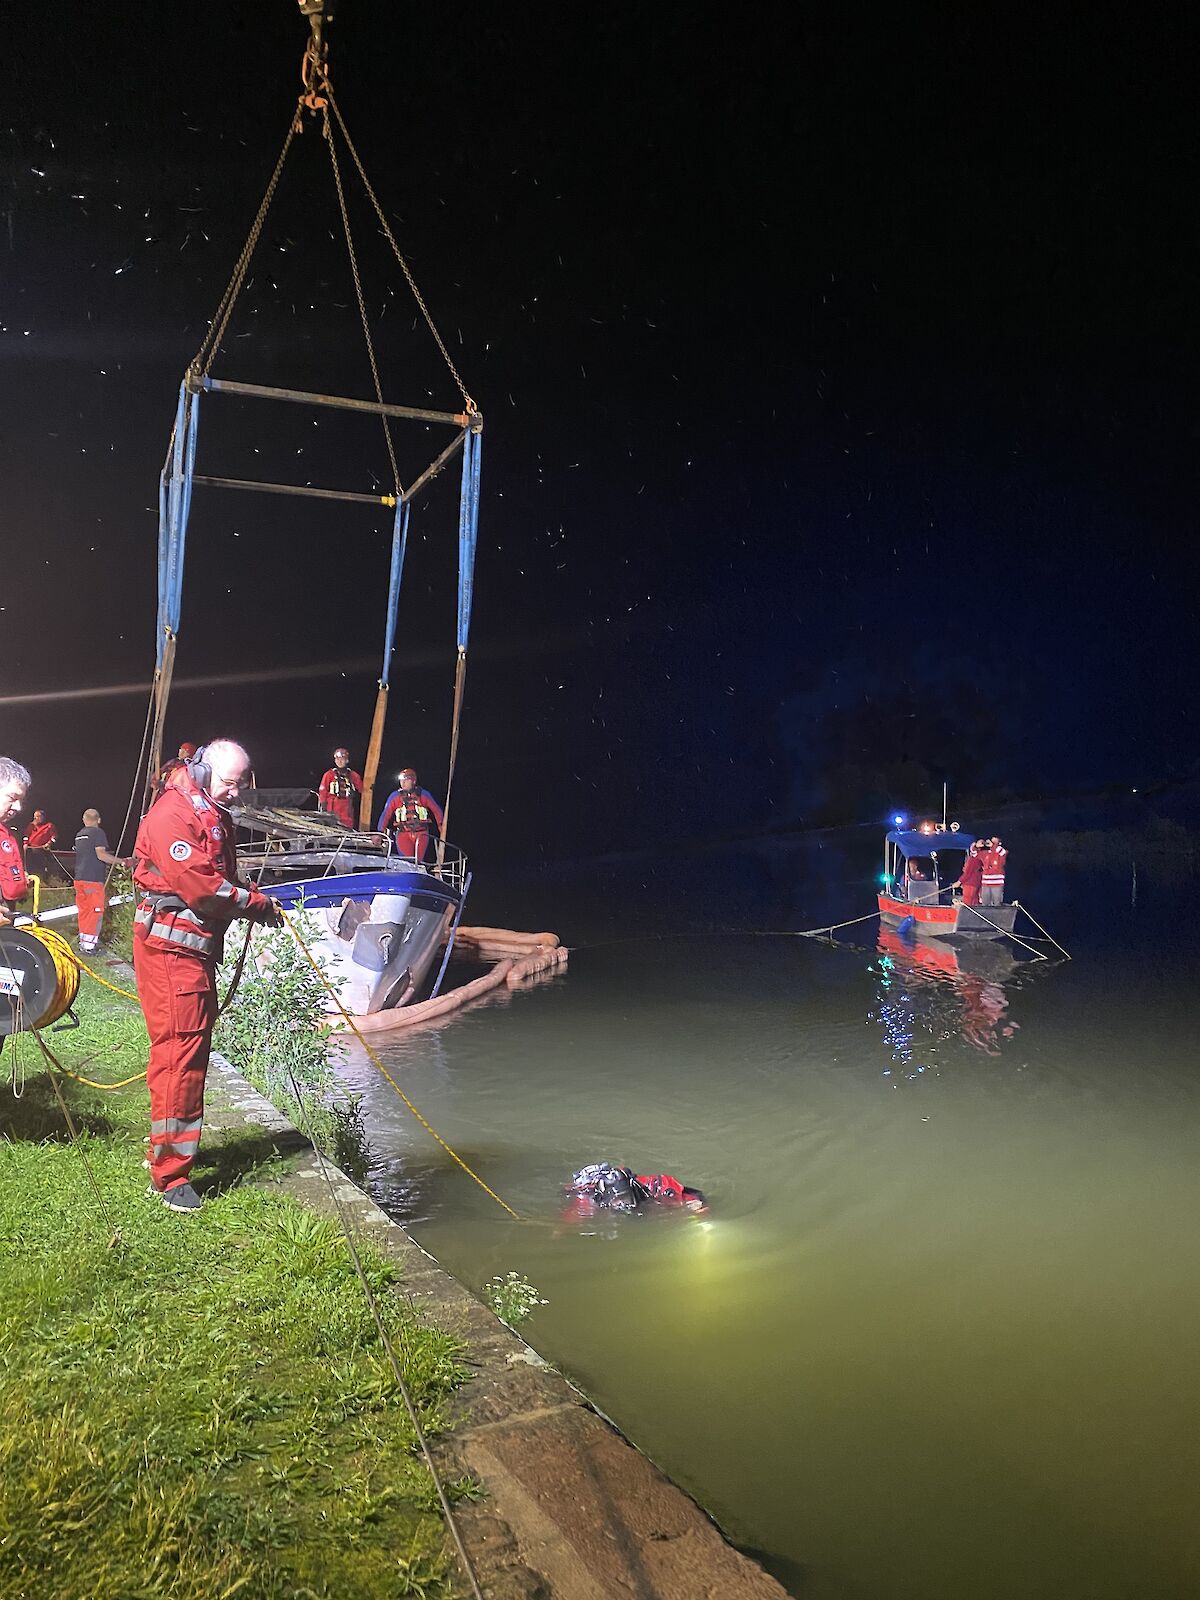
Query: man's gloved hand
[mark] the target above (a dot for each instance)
(271, 916)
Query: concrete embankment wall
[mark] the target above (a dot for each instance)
(573, 1510)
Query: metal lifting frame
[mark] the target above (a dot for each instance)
(179, 476)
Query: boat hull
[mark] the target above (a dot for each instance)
(947, 922)
(376, 934)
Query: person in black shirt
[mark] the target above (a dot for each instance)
(91, 848)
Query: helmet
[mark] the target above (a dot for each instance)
(408, 772)
(187, 751)
(341, 751)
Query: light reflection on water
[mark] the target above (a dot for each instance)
(939, 1339)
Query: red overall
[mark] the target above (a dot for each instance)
(187, 872)
(972, 878)
(14, 885)
(336, 794)
(409, 812)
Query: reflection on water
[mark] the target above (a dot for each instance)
(931, 989)
(937, 1338)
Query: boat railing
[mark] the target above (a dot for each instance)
(332, 855)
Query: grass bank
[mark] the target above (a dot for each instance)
(200, 1408)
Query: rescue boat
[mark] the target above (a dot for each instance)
(920, 866)
(380, 919)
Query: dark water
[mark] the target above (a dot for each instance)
(938, 1335)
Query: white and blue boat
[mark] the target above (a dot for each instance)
(381, 918)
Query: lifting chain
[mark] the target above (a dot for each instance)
(314, 67)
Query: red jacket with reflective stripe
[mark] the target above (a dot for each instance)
(337, 791)
(187, 872)
(13, 883)
(403, 811)
(993, 866)
(40, 836)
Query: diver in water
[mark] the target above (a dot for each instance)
(603, 1187)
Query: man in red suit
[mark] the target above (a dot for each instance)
(972, 874)
(994, 858)
(340, 788)
(40, 837)
(409, 810)
(186, 870)
(14, 886)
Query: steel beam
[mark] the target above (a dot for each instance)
(258, 391)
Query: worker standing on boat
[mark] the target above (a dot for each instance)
(14, 886)
(409, 810)
(186, 870)
(994, 857)
(338, 789)
(972, 874)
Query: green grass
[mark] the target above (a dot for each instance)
(117, 933)
(200, 1408)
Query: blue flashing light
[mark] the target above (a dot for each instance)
(898, 821)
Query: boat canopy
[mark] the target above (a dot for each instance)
(912, 842)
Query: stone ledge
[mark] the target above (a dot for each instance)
(574, 1511)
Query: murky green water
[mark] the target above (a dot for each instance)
(938, 1336)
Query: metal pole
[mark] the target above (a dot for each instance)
(296, 488)
(450, 936)
(259, 391)
(433, 469)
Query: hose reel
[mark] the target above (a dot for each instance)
(39, 978)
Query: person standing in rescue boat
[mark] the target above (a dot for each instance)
(409, 810)
(972, 874)
(186, 870)
(339, 788)
(994, 859)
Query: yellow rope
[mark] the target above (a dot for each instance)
(66, 972)
(315, 965)
(122, 1083)
(67, 967)
(124, 993)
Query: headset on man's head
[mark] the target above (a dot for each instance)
(199, 769)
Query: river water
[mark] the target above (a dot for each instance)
(937, 1336)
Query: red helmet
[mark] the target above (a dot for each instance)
(341, 751)
(407, 772)
(187, 751)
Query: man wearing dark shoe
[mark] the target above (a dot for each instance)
(186, 870)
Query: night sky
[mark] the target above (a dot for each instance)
(839, 379)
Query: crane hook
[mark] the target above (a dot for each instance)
(314, 69)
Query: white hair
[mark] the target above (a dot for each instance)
(13, 772)
(225, 753)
